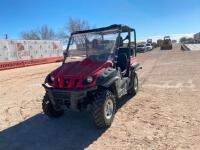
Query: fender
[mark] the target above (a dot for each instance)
(107, 78)
(135, 67)
(110, 82)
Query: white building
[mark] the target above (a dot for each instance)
(197, 37)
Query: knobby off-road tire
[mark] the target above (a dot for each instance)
(103, 108)
(134, 88)
(48, 108)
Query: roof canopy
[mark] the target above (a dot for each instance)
(109, 29)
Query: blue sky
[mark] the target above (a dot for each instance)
(150, 18)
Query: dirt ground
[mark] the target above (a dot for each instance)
(165, 114)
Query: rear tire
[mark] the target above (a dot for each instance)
(134, 88)
(49, 110)
(103, 108)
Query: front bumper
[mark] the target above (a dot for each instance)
(65, 98)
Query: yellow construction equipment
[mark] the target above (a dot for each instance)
(166, 44)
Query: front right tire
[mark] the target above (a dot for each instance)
(134, 88)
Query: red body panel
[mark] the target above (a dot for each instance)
(76, 72)
(133, 60)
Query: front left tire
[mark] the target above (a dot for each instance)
(103, 108)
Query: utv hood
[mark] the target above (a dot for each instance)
(79, 71)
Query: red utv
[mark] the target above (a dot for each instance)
(99, 67)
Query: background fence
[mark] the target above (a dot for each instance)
(19, 53)
(12, 50)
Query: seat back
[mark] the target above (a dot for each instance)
(122, 62)
(124, 51)
(119, 42)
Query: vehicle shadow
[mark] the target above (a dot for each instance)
(72, 131)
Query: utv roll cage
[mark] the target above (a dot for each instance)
(115, 28)
(121, 28)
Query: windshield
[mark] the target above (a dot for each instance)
(96, 46)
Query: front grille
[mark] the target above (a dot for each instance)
(76, 82)
(66, 82)
(73, 83)
(62, 98)
(62, 102)
(61, 95)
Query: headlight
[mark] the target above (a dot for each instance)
(49, 79)
(52, 78)
(89, 79)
